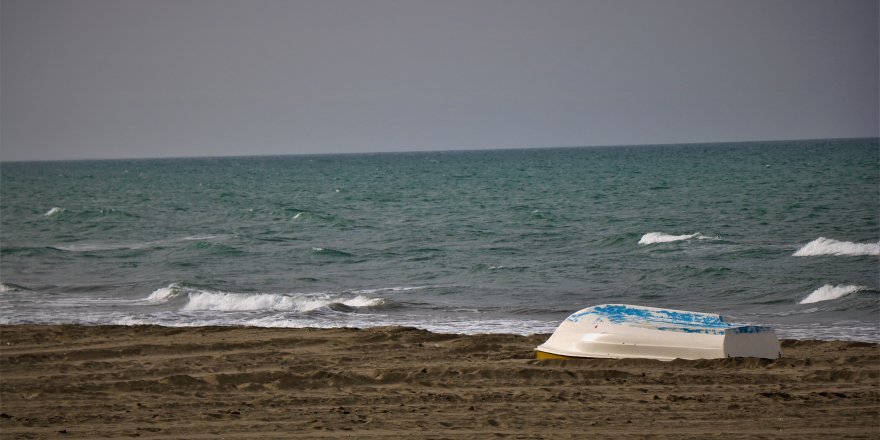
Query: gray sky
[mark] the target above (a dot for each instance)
(158, 78)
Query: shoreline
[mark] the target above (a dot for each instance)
(82, 381)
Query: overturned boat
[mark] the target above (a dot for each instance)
(627, 331)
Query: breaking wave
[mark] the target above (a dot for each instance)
(9, 287)
(218, 301)
(165, 294)
(54, 211)
(829, 292)
(660, 237)
(828, 246)
(248, 302)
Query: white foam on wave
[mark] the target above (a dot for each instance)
(199, 299)
(97, 247)
(660, 237)
(194, 238)
(363, 301)
(437, 325)
(829, 292)
(250, 302)
(844, 330)
(164, 294)
(54, 211)
(94, 247)
(132, 320)
(828, 246)
(282, 320)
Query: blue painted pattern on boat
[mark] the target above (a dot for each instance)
(750, 329)
(664, 319)
(708, 331)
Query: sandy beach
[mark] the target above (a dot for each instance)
(248, 383)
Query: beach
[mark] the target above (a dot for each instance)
(73, 381)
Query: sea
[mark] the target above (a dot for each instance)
(784, 234)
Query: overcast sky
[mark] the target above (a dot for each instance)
(159, 78)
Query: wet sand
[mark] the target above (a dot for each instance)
(249, 383)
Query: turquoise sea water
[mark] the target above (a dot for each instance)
(785, 234)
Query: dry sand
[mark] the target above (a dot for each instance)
(249, 383)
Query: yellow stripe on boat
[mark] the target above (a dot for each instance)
(543, 355)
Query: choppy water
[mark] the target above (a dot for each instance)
(785, 234)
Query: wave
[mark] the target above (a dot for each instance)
(54, 211)
(113, 212)
(165, 294)
(251, 302)
(97, 247)
(827, 246)
(388, 289)
(660, 237)
(28, 250)
(829, 292)
(9, 288)
(331, 252)
(451, 326)
(481, 267)
(199, 299)
(218, 301)
(196, 238)
(93, 214)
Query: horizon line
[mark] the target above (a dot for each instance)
(446, 150)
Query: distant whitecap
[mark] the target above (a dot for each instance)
(828, 246)
(54, 211)
(660, 237)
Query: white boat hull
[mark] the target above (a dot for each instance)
(625, 331)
